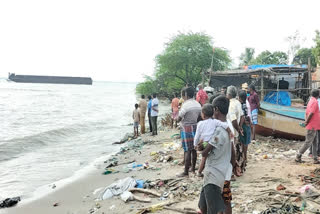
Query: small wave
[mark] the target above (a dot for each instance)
(14, 147)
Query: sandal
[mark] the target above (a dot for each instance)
(181, 175)
(316, 162)
(200, 175)
(181, 163)
(298, 158)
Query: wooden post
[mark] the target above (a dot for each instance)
(278, 83)
(262, 87)
(309, 75)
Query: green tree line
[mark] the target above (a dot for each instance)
(184, 61)
(187, 57)
(300, 55)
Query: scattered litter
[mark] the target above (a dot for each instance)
(145, 191)
(9, 202)
(185, 210)
(281, 187)
(314, 177)
(155, 207)
(54, 186)
(109, 171)
(140, 183)
(117, 188)
(153, 153)
(126, 196)
(112, 207)
(56, 204)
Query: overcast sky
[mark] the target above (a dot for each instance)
(117, 40)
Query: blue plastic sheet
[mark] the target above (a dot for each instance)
(283, 98)
(253, 67)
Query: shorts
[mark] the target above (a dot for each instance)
(136, 124)
(254, 116)
(226, 193)
(211, 199)
(246, 138)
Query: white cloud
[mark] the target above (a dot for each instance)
(118, 40)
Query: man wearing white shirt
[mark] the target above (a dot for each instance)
(154, 114)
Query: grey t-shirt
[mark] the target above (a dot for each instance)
(189, 112)
(218, 161)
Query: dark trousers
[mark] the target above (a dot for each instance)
(150, 125)
(211, 201)
(318, 152)
(154, 125)
(311, 139)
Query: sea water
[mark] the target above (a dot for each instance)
(48, 132)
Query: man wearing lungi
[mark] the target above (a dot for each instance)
(189, 115)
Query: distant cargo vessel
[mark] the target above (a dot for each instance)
(50, 79)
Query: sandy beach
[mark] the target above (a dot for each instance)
(271, 163)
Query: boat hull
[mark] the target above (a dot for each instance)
(272, 123)
(50, 79)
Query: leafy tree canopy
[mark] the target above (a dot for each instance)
(184, 60)
(247, 57)
(266, 57)
(301, 58)
(316, 49)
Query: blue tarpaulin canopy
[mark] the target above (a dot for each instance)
(253, 67)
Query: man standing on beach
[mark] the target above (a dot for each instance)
(143, 109)
(254, 106)
(235, 115)
(312, 126)
(149, 112)
(217, 167)
(202, 96)
(175, 110)
(154, 114)
(189, 114)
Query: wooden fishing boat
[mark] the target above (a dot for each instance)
(281, 121)
(278, 119)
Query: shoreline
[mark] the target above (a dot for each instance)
(68, 191)
(250, 192)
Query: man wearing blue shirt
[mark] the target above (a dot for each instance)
(154, 114)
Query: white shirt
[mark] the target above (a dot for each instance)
(206, 128)
(249, 109)
(155, 105)
(229, 171)
(235, 112)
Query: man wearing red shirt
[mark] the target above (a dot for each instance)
(312, 125)
(201, 96)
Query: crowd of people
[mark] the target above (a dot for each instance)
(220, 128)
(139, 115)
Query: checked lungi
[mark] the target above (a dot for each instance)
(187, 136)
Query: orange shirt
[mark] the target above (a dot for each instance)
(175, 104)
(313, 107)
